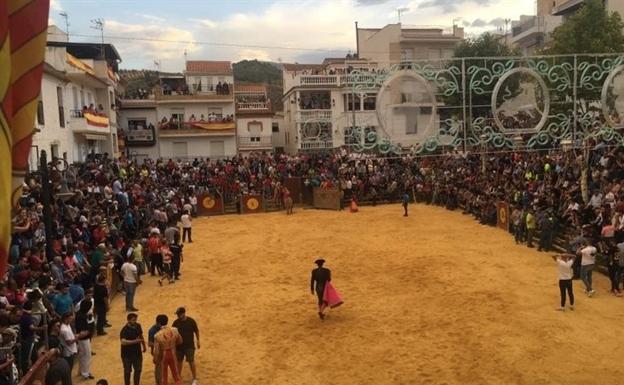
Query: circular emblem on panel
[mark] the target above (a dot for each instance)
(209, 202)
(502, 213)
(252, 204)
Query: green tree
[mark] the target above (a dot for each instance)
(590, 30)
(485, 45)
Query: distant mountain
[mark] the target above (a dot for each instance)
(254, 71)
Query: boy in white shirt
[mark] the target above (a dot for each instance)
(564, 271)
(588, 260)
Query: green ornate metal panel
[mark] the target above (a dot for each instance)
(477, 104)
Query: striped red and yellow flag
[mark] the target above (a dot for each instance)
(23, 32)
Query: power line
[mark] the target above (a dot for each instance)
(199, 42)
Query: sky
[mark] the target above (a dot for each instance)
(302, 31)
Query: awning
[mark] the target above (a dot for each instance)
(95, 137)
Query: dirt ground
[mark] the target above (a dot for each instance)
(435, 298)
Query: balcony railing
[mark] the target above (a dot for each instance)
(317, 145)
(334, 80)
(138, 137)
(162, 94)
(252, 106)
(254, 141)
(84, 120)
(313, 115)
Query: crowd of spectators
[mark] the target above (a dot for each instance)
(108, 207)
(175, 123)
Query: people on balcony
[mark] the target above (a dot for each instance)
(192, 118)
(202, 118)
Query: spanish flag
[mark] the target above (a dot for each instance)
(23, 32)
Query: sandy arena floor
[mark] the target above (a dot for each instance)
(435, 298)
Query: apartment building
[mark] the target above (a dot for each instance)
(396, 43)
(256, 125)
(76, 114)
(188, 115)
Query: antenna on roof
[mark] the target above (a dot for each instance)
(401, 11)
(185, 57)
(65, 16)
(99, 25)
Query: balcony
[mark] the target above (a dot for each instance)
(180, 129)
(333, 80)
(253, 107)
(193, 94)
(255, 142)
(89, 122)
(313, 115)
(144, 137)
(317, 145)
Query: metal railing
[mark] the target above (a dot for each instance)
(252, 106)
(316, 145)
(334, 80)
(309, 115)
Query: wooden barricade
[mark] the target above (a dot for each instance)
(252, 204)
(210, 205)
(327, 198)
(37, 373)
(295, 186)
(502, 214)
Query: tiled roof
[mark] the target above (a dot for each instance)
(209, 67)
(250, 88)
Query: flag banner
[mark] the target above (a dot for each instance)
(23, 34)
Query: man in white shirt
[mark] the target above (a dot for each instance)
(68, 340)
(130, 275)
(588, 260)
(564, 271)
(186, 226)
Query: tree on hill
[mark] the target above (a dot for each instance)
(254, 71)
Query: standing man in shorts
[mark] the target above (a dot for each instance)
(187, 327)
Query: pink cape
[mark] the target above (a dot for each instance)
(331, 297)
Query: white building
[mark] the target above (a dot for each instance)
(192, 114)
(395, 43)
(76, 75)
(320, 105)
(566, 8)
(255, 124)
(530, 34)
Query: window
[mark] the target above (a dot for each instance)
(370, 101)
(137, 124)
(40, 116)
(75, 98)
(349, 102)
(275, 127)
(61, 109)
(369, 134)
(54, 150)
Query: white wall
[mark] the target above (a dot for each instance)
(51, 133)
(243, 126)
(197, 146)
(149, 114)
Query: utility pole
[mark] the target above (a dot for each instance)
(65, 16)
(507, 21)
(46, 198)
(99, 25)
